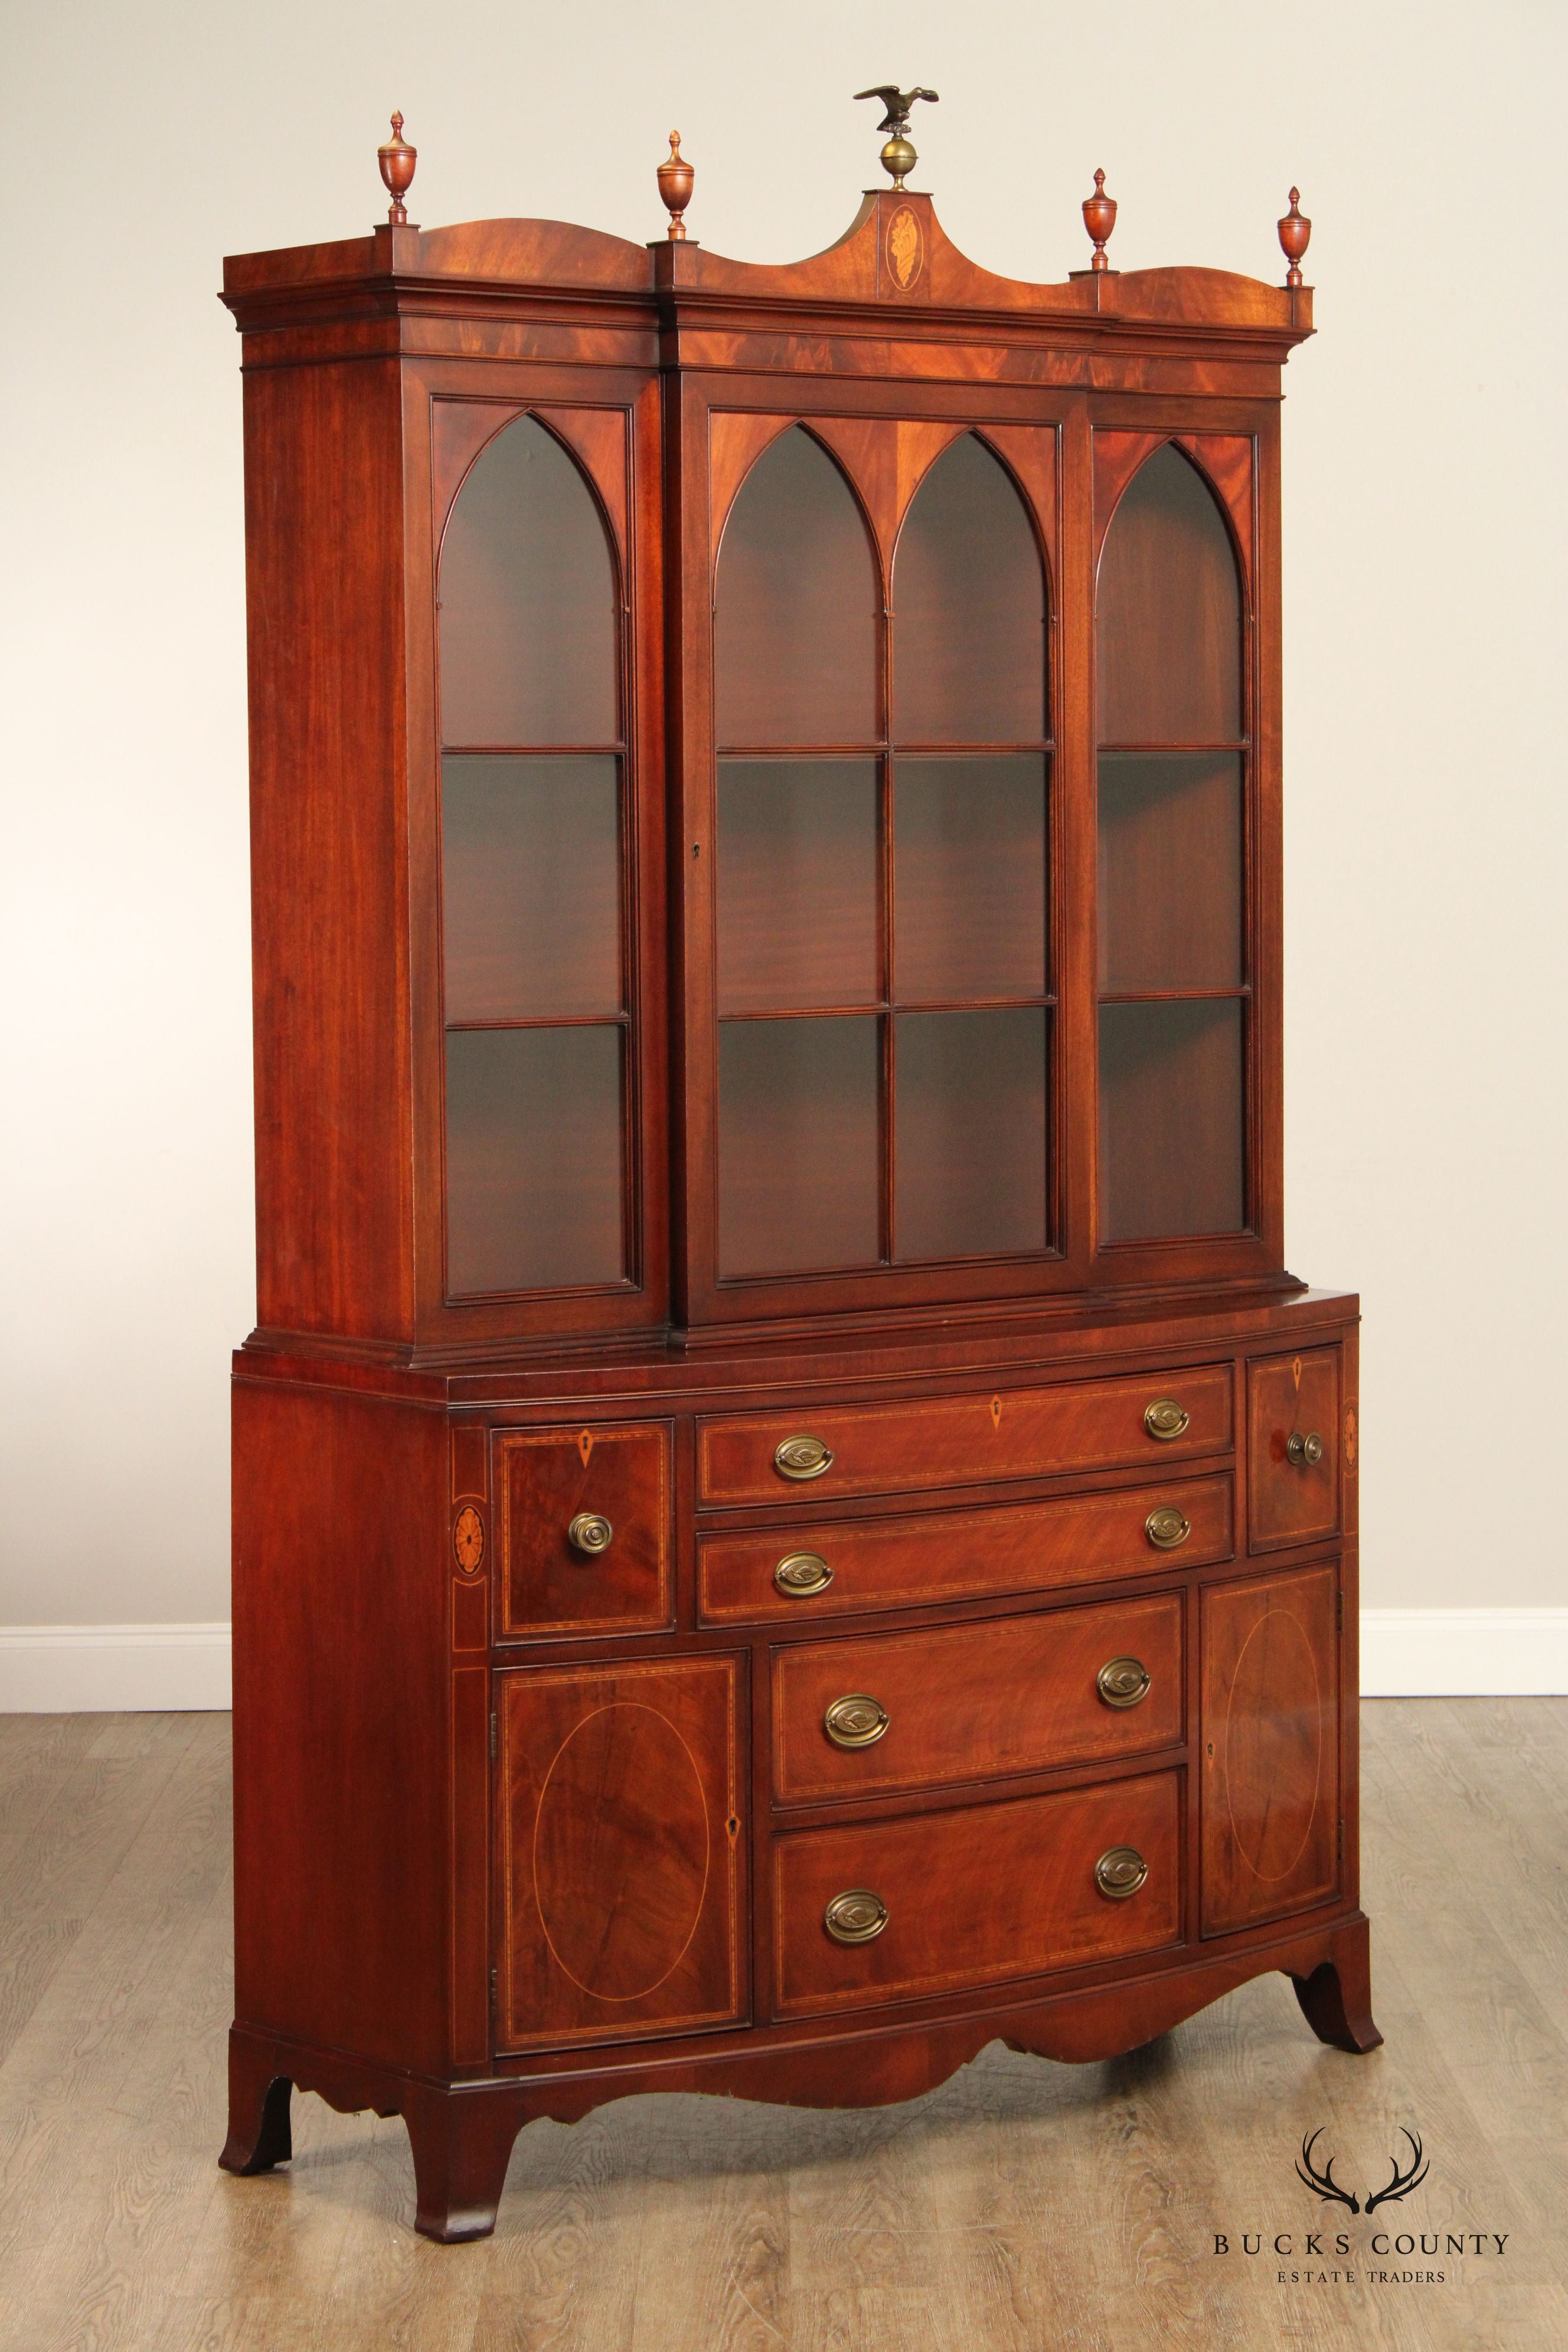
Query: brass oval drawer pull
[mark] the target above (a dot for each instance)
(1120, 1872)
(1306, 1451)
(1123, 1681)
(589, 1533)
(801, 1457)
(855, 1916)
(1166, 1527)
(802, 1573)
(1165, 1419)
(856, 1721)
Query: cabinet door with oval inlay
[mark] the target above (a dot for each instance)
(1270, 1759)
(620, 1851)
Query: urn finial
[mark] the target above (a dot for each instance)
(397, 160)
(676, 177)
(1295, 234)
(1100, 220)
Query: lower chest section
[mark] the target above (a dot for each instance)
(861, 1704)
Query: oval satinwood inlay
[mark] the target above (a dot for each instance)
(620, 1851)
(906, 249)
(1274, 1746)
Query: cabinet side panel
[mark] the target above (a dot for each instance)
(341, 1818)
(325, 585)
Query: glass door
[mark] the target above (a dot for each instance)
(970, 962)
(535, 997)
(799, 941)
(1172, 780)
(881, 937)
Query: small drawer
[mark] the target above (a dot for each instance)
(975, 1702)
(586, 1530)
(828, 1450)
(888, 1910)
(819, 1568)
(1293, 1447)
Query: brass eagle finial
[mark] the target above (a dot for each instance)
(898, 157)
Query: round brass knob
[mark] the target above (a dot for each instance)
(801, 1457)
(801, 1573)
(1165, 1419)
(1120, 1872)
(1122, 1681)
(855, 1916)
(589, 1533)
(856, 1721)
(1307, 1450)
(1166, 1527)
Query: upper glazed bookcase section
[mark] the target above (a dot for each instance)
(894, 255)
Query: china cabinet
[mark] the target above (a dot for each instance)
(789, 1519)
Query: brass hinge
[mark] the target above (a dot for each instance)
(495, 1993)
(492, 1738)
(1339, 1621)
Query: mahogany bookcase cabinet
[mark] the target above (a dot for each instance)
(789, 1519)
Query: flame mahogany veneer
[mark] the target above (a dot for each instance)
(527, 1816)
(885, 1562)
(1026, 1433)
(1005, 1695)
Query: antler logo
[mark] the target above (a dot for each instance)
(1402, 2182)
(1324, 2184)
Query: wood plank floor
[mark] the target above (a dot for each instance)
(1022, 2206)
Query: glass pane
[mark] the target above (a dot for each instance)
(969, 599)
(969, 1133)
(534, 1181)
(527, 601)
(969, 878)
(1170, 870)
(797, 884)
(798, 1135)
(531, 887)
(1170, 1119)
(1169, 612)
(797, 599)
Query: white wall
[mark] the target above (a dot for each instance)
(1424, 529)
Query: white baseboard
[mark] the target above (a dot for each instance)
(112, 1669)
(1405, 1654)
(1463, 1653)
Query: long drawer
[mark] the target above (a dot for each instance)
(975, 1702)
(983, 1892)
(899, 1563)
(831, 1449)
